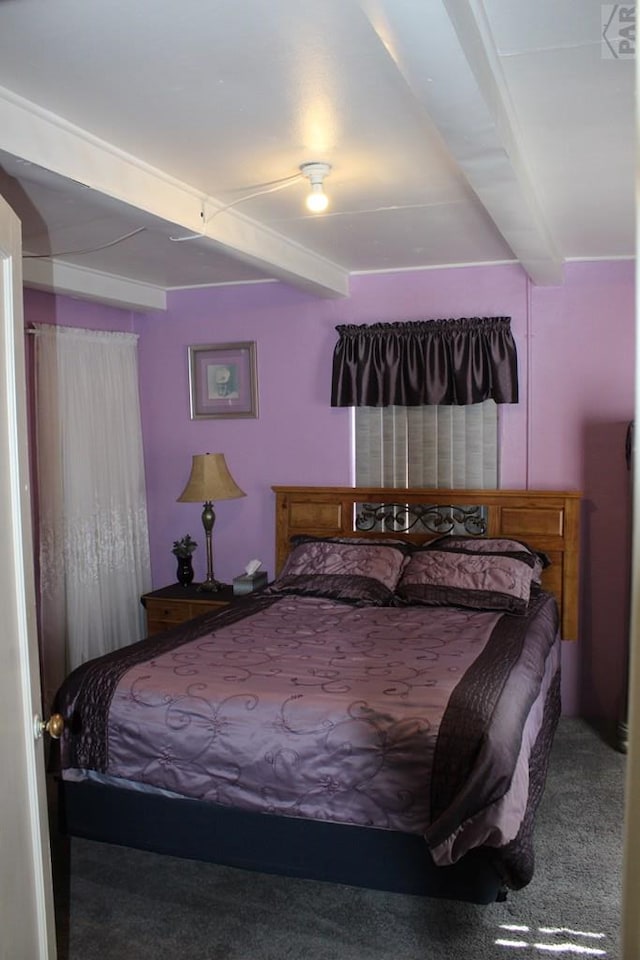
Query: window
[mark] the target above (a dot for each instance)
(426, 396)
(449, 447)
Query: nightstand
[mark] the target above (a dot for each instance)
(175, 604)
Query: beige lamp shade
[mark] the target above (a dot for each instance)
(210, 480)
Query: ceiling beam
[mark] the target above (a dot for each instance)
(446, 55)
(49, 141)
(56, 276)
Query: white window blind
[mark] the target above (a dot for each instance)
(450, 447)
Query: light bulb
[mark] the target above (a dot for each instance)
(317, 201)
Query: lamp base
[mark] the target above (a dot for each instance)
(210, 586)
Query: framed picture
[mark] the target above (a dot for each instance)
(223, 380)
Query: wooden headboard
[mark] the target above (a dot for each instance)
(548, 520)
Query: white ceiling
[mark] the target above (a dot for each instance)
(458, 131)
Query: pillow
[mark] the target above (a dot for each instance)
(481, 581)
(360, 591)
(401, 545)
(347, 557)
(508, 547)
(340, 568)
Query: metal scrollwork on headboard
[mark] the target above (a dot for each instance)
(404, 518)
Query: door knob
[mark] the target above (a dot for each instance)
(53, 726)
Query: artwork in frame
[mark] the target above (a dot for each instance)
(223, 380)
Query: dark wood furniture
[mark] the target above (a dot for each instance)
(175, 604)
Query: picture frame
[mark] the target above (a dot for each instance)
(223, 380)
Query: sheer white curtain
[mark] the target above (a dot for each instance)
(92, 514)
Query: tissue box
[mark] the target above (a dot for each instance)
(247, 583)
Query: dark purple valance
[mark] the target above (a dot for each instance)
(425, 362)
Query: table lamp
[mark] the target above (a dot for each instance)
(209, 480)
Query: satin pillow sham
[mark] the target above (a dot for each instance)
(359, 591)
(480, 581)
(349, 569)
(503, 545)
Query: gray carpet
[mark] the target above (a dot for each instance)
(133, 905)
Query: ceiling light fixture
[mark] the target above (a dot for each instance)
(317, 200)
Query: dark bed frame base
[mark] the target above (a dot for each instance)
(314, 850)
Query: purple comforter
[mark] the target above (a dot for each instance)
(419, 719)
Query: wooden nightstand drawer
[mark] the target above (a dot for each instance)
(175, 604)
(171, 611)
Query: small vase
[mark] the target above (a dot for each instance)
(185, 571)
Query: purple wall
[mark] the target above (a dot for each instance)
(576, 367)
(578, 423)
(298, 437)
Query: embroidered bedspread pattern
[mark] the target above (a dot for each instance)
(305, 708)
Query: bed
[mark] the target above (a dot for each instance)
(380, 715)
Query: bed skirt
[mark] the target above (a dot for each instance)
(288, 846)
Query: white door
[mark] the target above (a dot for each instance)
(27, 927)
